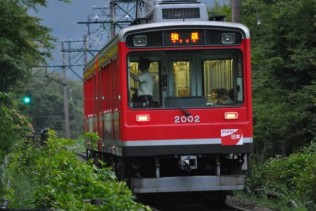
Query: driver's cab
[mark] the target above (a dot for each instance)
(191, 79)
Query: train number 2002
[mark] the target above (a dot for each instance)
(186, 119)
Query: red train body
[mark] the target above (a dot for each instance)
(197, 136)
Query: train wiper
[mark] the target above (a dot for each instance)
(185, 111)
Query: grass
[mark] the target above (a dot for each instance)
(279, 204)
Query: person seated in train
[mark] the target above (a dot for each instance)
(146, 84)
(220, 96)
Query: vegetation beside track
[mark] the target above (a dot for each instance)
(284, 183)
(51, 176)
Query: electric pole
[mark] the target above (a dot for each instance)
(236, 11)
(66, 94)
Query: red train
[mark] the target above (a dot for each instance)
(190, 129)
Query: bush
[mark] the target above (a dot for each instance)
(292, 176)
(60, 180)
(13, 126)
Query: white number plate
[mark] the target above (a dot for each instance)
(186, 119)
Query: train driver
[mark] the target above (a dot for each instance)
(146, 83)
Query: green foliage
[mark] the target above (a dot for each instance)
(47, 108)
(220, 10)
(281, 204)
(22, 40)
(284, 43)
(13, 125)
(60, 180)
(284, 121)
(292, 176)
(91, 140)
(283, 64)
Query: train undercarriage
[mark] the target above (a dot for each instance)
(178, 173)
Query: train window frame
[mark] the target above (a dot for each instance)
(198, 96)
(155, 71)
(236, 91)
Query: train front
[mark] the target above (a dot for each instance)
(191, 130)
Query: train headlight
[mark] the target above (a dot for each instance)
(228, 38)
(142, 118)
(140, 40)
(231, 115)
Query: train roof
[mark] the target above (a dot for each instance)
(184, 24)
(174, 15)
(179, 14)
(168, 12)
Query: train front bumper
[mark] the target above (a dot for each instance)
(188, 184)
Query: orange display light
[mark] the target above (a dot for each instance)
(184, 37)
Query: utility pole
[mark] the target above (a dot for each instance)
(236, 11)
(113, 24)
(85, 59)
(66, 95)
(119, 14)
(64, 66)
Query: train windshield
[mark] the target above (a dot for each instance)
(180, 79)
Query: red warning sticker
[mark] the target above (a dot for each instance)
(232, 137)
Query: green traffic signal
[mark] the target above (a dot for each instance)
(26, 100)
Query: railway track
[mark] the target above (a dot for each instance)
(159, 203)
(231, 204)
(82, 156)
(243, 205)
(170, 202)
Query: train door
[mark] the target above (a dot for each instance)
(183, 76)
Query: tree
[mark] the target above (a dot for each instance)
(283, 63)
(220, 10)
(25, 43)
(13, 127)
(22, 42)
(47, 107)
